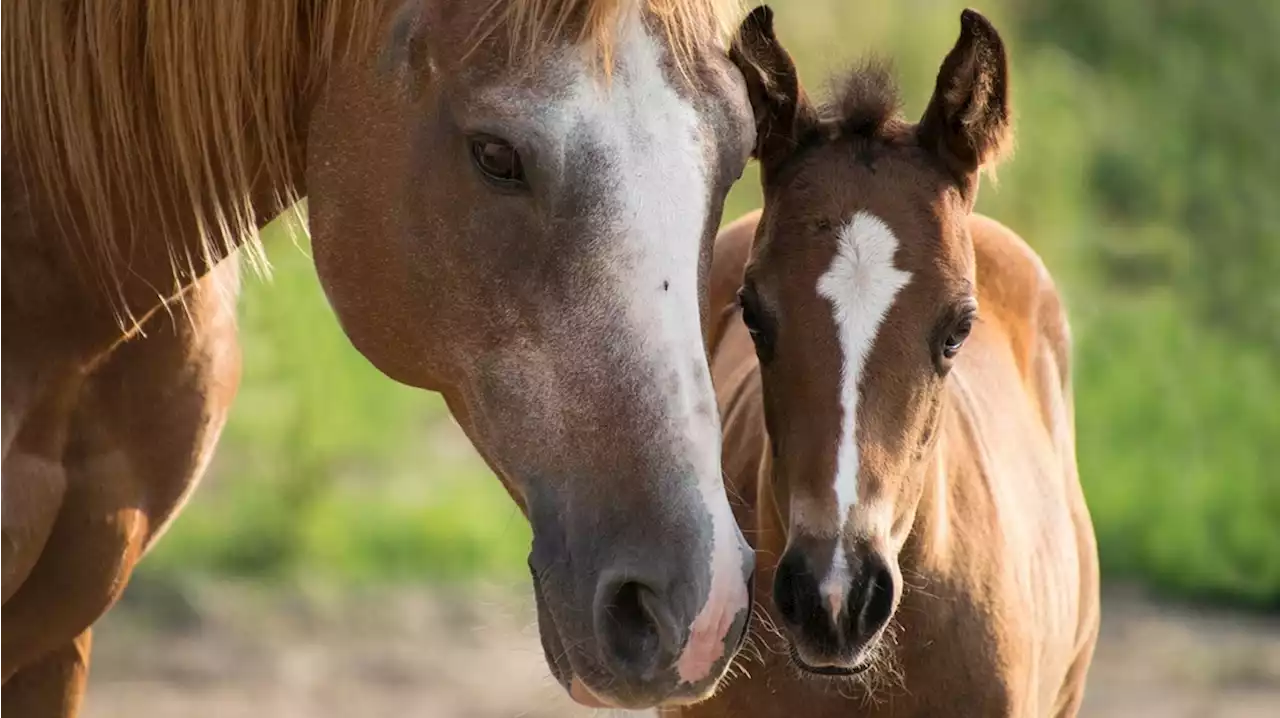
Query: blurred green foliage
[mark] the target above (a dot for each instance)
(327, 468)
(1146, 175)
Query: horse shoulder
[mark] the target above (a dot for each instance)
(152, 412)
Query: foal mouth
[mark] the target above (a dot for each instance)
(827, 671)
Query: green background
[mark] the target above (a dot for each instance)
(1147, 174)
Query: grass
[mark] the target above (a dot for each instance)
(1182, 485)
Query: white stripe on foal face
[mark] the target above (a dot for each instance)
(861, 285)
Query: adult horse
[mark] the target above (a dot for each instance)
(897, 409)
(511, 203)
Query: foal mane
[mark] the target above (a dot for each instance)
(866, 104)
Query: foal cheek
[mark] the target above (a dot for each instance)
(903, 521)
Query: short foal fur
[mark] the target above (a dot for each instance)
(897, 410)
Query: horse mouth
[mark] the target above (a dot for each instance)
(581, 687)
(552, 645)
(557, 657)
(827, 671)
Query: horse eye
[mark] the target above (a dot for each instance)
(498, 161)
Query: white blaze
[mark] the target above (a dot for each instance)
(861, 285)
(656, 195)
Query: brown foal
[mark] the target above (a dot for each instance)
(897, 411)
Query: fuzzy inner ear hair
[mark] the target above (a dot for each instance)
(967, 122)
(778, 101)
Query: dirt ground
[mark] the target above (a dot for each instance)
(233, 652)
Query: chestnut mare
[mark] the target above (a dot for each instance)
(512, 203)
(897, 409)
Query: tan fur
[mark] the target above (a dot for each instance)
(198, 117)
(962, 577)
(972, 638)
(201, 104)
(142, 427)
(145, 141)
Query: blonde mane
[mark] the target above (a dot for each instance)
(535, 24)
(120, 104)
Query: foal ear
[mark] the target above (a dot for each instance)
(967, 122)
(781, 108)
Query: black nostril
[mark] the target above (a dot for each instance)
(789, 591)
(635, 629)
(877, 603)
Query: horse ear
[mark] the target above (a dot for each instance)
(781, 108)
(406, 48)
(967, 122)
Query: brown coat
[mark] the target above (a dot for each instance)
(1000, 612)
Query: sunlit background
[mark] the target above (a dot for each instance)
(349, 554)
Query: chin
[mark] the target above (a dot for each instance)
(852, 667)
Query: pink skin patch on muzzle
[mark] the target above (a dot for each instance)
(727, 598)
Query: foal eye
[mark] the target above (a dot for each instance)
(951, 345)
(755, 326)
(749, 316)
(498, 161)
(952, 335)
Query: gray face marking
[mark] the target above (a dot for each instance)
(649, 209)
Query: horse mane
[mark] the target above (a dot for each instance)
(113, 101)
(122, 103)
(534, 25)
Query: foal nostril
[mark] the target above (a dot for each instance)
(794, 590)
(636, 629)
(877, 601)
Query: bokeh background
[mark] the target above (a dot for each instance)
(348, 553)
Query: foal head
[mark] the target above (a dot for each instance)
(523, 222)
(859, 294)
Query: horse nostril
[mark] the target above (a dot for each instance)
(877, 604)
(636, 629)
